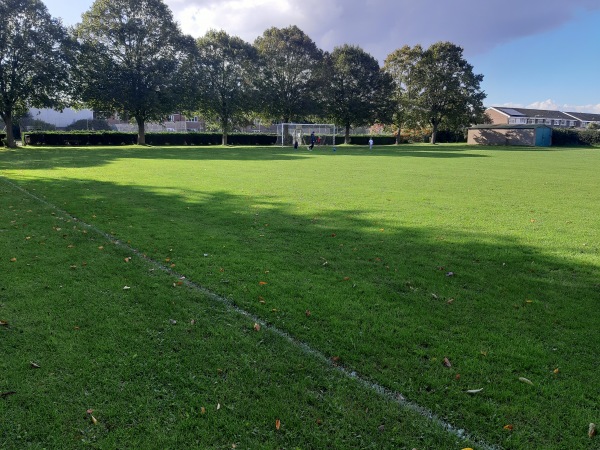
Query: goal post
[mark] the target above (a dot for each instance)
(289, 133)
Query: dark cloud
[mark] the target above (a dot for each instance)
(381, 26)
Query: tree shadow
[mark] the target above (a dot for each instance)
(386, 300)
(43, 158)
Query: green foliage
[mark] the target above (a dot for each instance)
(439, 84)
(363, 139)
(134, 60)
(357, 92)
(289, 74)
(93, 124)
(226, 66)
(29, 124)
(569, 136)
(451, 136)
(400, 65)
(35, 59)
(107, 138)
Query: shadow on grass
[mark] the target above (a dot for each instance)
(77, 157)
(388, 301)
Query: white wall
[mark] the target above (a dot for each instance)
(61, 119)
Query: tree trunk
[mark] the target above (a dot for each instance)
(141, 131)
(347, 139)
(398, 135)
(10, 138)
(224, 128)
(434, 132)
(285, 131)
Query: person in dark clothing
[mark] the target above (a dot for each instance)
(312, 141)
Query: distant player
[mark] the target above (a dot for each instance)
(312, 141)
(370, 143)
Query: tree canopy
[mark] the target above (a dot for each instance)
(134, 60)
(129, 57)
(357, 91)
(288, 77)
(446, 88)
(400, 65)
(226, 65)
(34, 61)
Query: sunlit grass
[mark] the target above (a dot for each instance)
(386, 261)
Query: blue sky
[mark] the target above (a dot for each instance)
(532, 53)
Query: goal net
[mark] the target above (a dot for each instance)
(289, 133)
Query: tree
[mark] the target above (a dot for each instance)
(89, 124)
(226, 65)
(593, 126)
(401, 64)
(134, 60)
(358, 92)
(288, 77)
(447, 89)
(34, 61)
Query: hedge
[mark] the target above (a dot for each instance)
(570, 136)
(363, 139)
(83, 138)
(443, 136)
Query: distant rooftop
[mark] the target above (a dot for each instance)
(548, 114)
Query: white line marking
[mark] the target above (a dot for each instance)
(383, 391)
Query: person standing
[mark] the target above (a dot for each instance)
(312, 141)
(370, 143)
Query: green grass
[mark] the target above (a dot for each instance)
(404, 256)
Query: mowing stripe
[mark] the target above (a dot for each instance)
(381, 390)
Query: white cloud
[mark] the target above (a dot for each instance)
(381, 26)
(249, 19)
(595, 109)
(551, 105)
(546, 104)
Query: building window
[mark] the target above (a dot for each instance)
(171, 118)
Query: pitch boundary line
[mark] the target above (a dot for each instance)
(379, 389)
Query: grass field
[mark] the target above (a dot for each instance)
(272, 298)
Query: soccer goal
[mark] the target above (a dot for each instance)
(289, 133)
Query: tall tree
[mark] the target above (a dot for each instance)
(34, 61)
(226, 65)
(288, 77)
(447, 87)
(400, 64)
(358, 92)
(134, 60)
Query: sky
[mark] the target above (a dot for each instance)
(532, 53)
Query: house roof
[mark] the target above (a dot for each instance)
(586, 117)
(539, 113)
(508, 127)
